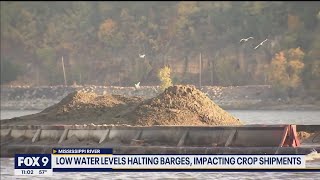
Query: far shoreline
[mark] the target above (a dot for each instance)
(254, 97)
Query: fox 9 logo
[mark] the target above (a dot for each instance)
(32, 161)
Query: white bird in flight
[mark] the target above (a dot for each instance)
(137, 86)
(260, 43)
(142, 55)
(245, 40)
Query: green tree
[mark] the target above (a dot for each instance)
(9, 71)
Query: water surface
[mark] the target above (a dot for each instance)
(247, 116)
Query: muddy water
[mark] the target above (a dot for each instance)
(277, 117)
(6, 114)
(249, 117)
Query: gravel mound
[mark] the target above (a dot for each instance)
(82, 108)
(181, 105)
(177, 105)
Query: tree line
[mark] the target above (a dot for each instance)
(101, 42)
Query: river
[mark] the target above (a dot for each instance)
(247, 116)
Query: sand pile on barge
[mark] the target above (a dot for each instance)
(79, 101)
(83, 108)
(177, 105)
(181, 105)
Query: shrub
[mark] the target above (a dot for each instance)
(164, 76)
(285, 69)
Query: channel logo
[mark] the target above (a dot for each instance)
(32, 164)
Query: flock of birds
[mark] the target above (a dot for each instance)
(247, 39)
(137, 86)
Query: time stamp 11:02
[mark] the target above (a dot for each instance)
(33, 171)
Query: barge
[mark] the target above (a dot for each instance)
(242, 139)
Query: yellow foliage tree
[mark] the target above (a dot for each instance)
(109, 33)
(107, 28)
(286, 67)
(188, 7)
(164, 76)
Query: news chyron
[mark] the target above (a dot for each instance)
(32, 164)
(64, 160)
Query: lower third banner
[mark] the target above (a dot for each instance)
(100, 160)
